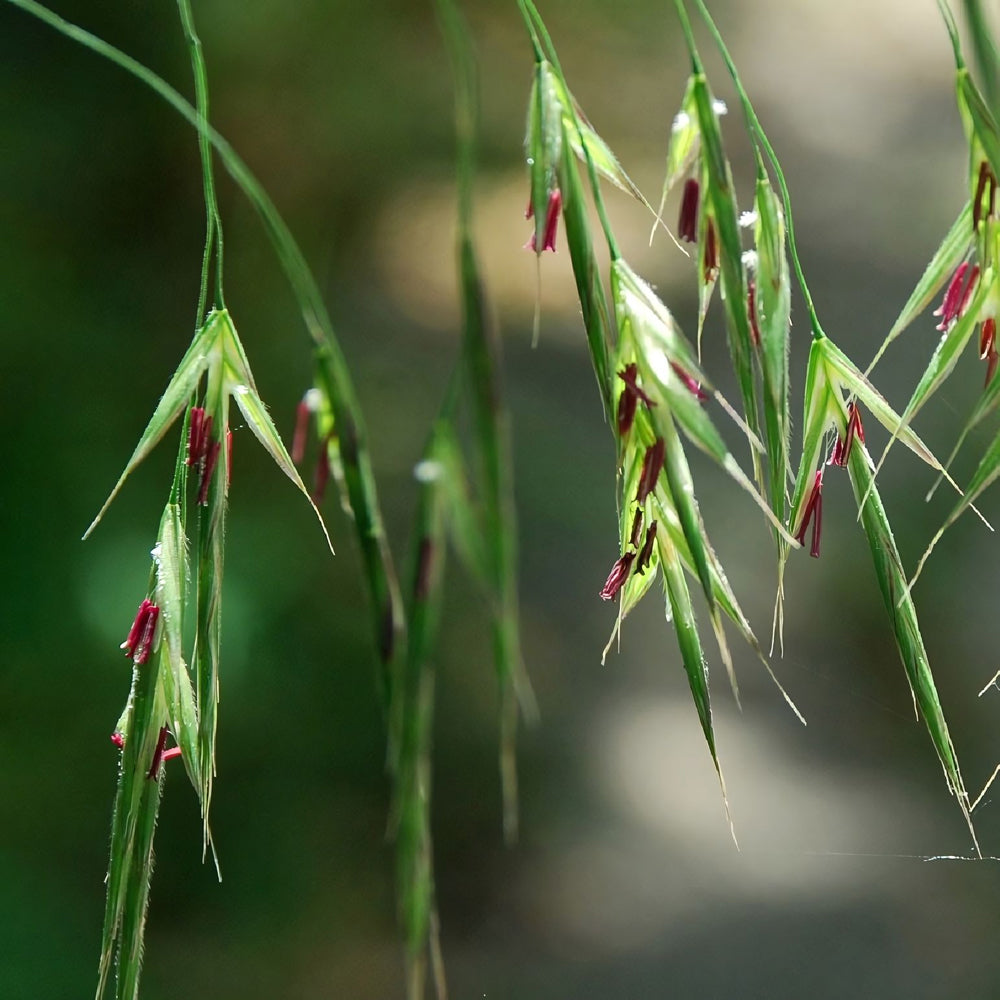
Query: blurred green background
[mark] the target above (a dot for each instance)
(625, 883)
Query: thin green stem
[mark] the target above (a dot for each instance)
(952, 29)
(213, 220)
(532, 31)
(987, 57)
(759, 135)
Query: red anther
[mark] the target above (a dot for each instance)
(551, 223)
(956, 298)
(302, 414)
(158, 753)
(322, 476)
(211, 459)
(987, 337)
(693, 386)
(529, 212)
(618, 576)
(118, 740)
(817, 526)
(842, 449)
(687, 224)
(752, 312)
(636, 528)
(196, 427)
(139, 642)
(652, 463)
(647, 549)
(710, 258)
(137, 625)
(813, 512)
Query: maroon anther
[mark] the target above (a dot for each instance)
(626, 411)
(118, 740)
(160, 754)
(956, 298)
(551, 223)
(618, 576)
(693, 386)
(628, 377)
(647, 549)
(813, 512)
(139, 641)
(842, 449)
(322, 476)
(988, 347)
(687, 224)
(302, 414)
(986, 178)
(208, 467)
(652, 463)
(987, 337)
(710, 258)
(196, 427)
(633, 538)
(629, 399)
(752, 312)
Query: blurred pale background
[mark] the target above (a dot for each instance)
(626, 883)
